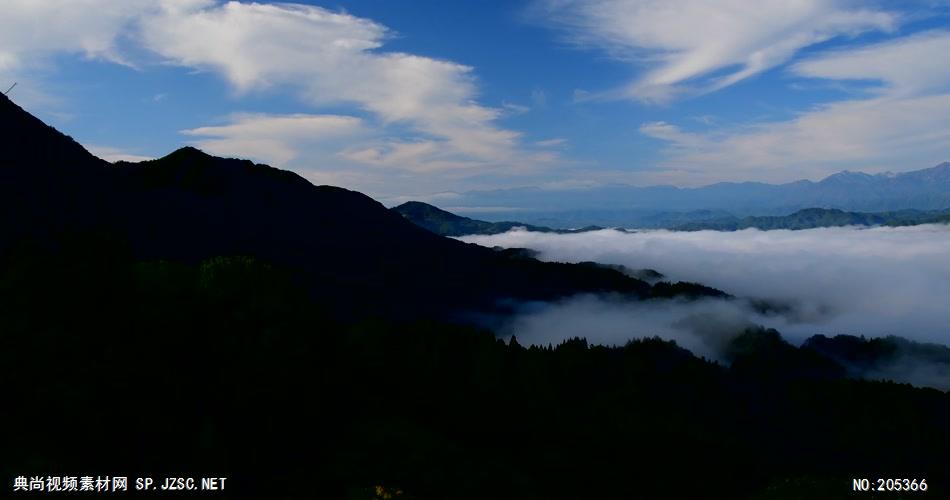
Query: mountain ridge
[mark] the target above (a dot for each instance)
(354, 254)
(648, 206)
(445, 223)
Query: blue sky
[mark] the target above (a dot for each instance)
(406, 99)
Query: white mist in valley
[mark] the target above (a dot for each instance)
(859, 281)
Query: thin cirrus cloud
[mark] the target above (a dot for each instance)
(906, 66)
(902, 121)
(697, 46)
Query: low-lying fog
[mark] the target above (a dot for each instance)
(859, 281)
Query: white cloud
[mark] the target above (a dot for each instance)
(334, 58)
(113, 155)
(906, 66)
(274, 139)
(415, 156)
(873, 282)
(904, 122)
(673, 134)
(515, 109)
(704, 45)
(257, 45)
(31, 30)
(412, 104)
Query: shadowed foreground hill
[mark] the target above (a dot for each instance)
(226, 368)
(195, 316)
(351, 252)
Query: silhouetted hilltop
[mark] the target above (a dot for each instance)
(350, 250)
(48, 182)
(888, 358)
(32, 147)
(446, 223)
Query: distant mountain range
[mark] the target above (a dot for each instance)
(810, 218)
(668, 206)
(446, 223)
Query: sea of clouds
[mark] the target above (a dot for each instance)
(859, 281)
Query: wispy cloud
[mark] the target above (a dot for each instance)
(904, 66)
(902, 122)
(515, 109)
(32, 33)
(420, 113)
(697, 46)
(112, 154)
(90, 28)
(872, 282)
(701, 326)
(335, 58)
(275, 139)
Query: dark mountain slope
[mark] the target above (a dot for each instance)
(446, 223)
(355, 250)
(48, 182)
(890, 358)
(350, 251)
(34, 149)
